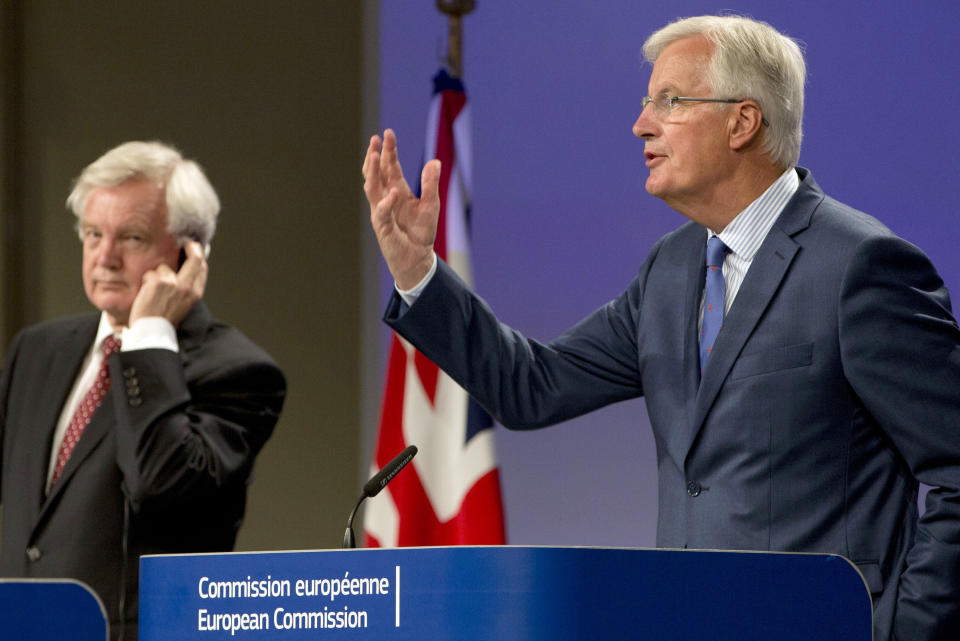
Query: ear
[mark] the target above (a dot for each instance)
(746, 122)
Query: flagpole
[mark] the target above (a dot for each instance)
(452, 495)
(455, 10)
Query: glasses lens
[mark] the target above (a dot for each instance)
(661, 105)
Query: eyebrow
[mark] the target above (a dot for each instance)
(126, 228)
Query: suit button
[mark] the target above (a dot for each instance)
(33, 553)
(130, 371)
(135, 401)
(693, 488)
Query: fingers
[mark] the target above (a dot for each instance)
(169, 294)
(193, 262)
(390, 170)
(383, 184)
(389, 161)
(389, 151)
(193, 249)
(373, 149)
(381, 166)
(381, 213)
(430, 182)
(192, 275)
(392, 204)
(371, 170)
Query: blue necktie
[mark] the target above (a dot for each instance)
(714, 294)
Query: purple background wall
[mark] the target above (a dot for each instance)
(561, 219)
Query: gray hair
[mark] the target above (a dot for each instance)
(192, 204)
(751, 60)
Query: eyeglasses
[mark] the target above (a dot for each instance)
(664, 105)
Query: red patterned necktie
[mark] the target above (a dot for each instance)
(91, 401)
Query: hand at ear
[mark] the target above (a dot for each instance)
(164, 292)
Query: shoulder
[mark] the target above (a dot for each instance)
(229, 342)
(672, 254)
(863, 248)
(866, 248)
(210, 344)
(849, 223)
(677, 244)
(813, 214)
(53, 332)
(63, 324)
(874, 263)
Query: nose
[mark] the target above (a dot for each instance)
(646, 125)
(108, 254)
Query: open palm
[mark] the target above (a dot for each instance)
(405, 225)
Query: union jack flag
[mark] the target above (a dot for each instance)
(451, 496)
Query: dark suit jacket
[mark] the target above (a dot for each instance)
(833, 387)
(162, 467)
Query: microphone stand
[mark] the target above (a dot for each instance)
(372, 487)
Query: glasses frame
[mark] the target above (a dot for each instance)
(672, 101)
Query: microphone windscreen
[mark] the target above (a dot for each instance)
(381, 478)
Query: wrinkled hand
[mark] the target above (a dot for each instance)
(164, 292)
(405, 225)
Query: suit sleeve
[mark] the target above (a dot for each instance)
(901, 353)
(522, 382)
(189, 428)
(8, 363)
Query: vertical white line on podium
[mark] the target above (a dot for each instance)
(396, 583)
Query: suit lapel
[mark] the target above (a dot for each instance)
(93, 434)
(763, 280)
(64, 359)
(696, 271)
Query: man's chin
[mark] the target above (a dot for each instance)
(654, 187)
(118, 312)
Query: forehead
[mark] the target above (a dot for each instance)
(682, 66)
(133, 202)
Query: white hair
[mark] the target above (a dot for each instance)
(192, 204)
(751, 60)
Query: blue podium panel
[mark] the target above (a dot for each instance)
(45, 609)
(504, 592)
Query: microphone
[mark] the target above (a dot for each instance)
(376, 483)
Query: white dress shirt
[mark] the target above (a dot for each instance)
(146, 333)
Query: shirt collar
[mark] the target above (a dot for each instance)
(104, 329)
(747, 230)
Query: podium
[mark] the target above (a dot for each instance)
(44, 609)
(501, 593)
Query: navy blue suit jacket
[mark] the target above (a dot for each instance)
(832, 389)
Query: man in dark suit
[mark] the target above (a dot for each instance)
(148, 450)
(800, 363)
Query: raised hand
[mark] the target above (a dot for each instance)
(405, 225)
(164, 292)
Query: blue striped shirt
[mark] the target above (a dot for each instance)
(746, 232)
